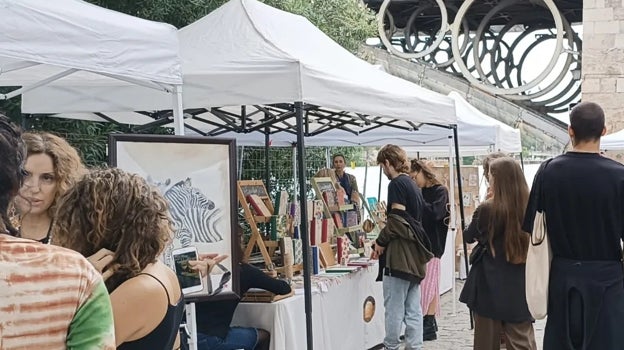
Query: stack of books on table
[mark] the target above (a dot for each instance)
(361, 262)
(256, 295)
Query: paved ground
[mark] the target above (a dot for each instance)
(454, 328)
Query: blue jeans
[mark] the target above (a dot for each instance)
(402, 304)
(237, 338)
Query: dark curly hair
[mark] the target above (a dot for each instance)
(11, 169)
(116, 210)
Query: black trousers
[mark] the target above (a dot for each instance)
(585, 306)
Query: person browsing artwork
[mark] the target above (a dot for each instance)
(403, 250)
(37, 277)
(435, 222)
(52, 167)
(121, 213)
(495, 287)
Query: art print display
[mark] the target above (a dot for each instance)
(197, 177)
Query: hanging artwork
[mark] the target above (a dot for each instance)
(197, 177)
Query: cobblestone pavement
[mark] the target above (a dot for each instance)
(454, 328)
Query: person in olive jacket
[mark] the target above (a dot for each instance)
(402, 249)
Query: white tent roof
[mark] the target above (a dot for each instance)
(247, 53)
(614, 141)
(478, 129)
(45, 38)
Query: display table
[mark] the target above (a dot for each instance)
(337, 315)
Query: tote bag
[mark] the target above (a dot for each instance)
(538, 268)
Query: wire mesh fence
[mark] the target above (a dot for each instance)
(282, 172)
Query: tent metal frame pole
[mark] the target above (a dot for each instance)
(267, 173)
(379, 186)
(267, 166)
(461, 203)
(365, 177)
(453, 215)
(303, 228)
(178, 110)
(239, 169)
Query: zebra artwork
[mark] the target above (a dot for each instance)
(195, 217)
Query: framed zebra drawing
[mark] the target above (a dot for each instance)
(197, 177)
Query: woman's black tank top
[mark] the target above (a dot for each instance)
(164, 335)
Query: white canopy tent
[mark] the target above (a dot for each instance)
(614, 141)
(247, 53)
(55, 42)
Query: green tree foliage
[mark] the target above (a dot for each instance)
(348, 22)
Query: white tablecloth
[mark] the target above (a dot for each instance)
(337, 316)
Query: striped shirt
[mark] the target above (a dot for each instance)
(51, 298)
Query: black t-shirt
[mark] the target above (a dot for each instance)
(435, 218)
(583, 202)
(403, 190)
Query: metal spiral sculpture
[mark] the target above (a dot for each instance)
(491, 57)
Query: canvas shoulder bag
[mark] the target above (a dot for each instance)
(538, 261)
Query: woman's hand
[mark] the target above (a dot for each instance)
(100, 260)
(206, 263)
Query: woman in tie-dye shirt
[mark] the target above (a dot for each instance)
(50, 297)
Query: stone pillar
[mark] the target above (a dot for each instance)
(603, 58)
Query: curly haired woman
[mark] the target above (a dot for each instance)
(114, 210)
(52, 167)
(50, 297)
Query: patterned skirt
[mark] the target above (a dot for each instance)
(430, 286)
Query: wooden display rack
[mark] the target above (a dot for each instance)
(377, 211)
(322, 184)
(249, 187)
(243, 189)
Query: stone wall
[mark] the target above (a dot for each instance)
(603, 58)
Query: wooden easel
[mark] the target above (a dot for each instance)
(245, 188)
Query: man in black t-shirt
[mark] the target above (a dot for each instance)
(581, 194)
(402, 258)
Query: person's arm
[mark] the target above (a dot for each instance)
(533, 205)
(252, 277)
(474, 230)
(92, 326)
(437, 208)
(355, 192)
(388, 233)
